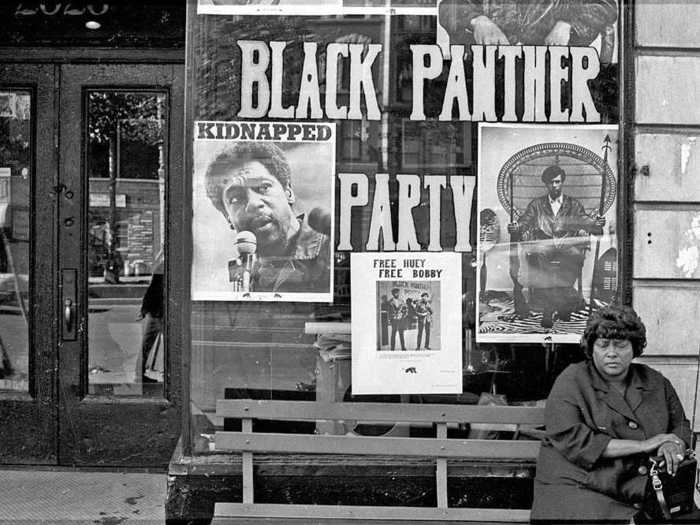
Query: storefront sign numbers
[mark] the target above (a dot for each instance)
(61, 8)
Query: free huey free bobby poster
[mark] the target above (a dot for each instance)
(407, 318)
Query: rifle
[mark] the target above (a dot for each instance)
(601, 204)
(521, 307)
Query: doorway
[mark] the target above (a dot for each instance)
(86, 160)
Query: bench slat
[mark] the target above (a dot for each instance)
(384, 446)
(247, 466)
(441, 471)
(378, 412)
(365, 514)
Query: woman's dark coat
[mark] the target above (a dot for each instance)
(583, 414)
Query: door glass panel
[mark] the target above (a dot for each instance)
(126, 172)
(15, 169)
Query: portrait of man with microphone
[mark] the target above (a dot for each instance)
(281, 249)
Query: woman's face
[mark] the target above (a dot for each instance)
(612, 357)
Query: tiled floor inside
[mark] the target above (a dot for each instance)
(73, 497)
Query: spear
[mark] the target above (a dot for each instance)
(514, 259)
(601, 205)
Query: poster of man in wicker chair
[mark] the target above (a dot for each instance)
(547, 220)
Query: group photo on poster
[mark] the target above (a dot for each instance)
(406, 330)
(263, 211)
(407, 312)
(547, 254)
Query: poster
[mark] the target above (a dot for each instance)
(316, 7)
(394, 7)
(529, 23)
(547, 253)
(268, 7)
(407, 319)
(263, 211)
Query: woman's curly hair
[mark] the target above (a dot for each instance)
(615, 322)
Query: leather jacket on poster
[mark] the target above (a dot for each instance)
(306, 268)
(528, 22)
(538, 222)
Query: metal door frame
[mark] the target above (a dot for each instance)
(103, 430)
(29, 429)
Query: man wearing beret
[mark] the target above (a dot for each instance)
(555, 227)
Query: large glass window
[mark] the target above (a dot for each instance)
(433, 177)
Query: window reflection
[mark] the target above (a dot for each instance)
(126, 172)
(15, 168)
(264, 350)
(430, 144)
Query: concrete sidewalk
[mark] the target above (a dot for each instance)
(78, 497)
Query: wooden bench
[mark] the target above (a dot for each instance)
(440, 449)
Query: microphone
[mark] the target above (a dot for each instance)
(247, 245)
(320, 220)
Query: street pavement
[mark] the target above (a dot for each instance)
(71, 497)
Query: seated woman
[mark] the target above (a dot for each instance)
(605, 416)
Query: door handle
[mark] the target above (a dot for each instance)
(68, 313)
(69, 285)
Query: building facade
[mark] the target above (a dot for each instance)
(403, 143)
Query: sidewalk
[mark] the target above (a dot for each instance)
(29, 497)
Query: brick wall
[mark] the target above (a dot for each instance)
(138, 222)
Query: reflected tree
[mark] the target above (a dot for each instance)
(116, 117)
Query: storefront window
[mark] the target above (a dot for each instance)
(414, 165)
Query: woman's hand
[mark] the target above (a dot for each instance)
(617, 448)
(673, 453)
(654, 443)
